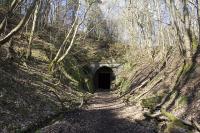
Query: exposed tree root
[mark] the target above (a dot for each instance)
(144, 83)
(196, 125)
(159, 112)
(173, 118)
(150, 77)
(145, 80)
(59, 99)
(62, 69)
(153, 116)
(163, 115)
(144, 93)
(180, 81)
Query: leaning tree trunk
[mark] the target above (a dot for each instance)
(187, 33)
(198, 46)
(28, 55)
(14, 4)
(175, 20)
(55, 60)
(188, 63)
(20, 25)
(45, 19)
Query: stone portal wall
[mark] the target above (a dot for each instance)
(95, 66)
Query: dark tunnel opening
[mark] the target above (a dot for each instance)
(103, 79)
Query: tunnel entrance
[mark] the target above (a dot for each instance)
(103, 78)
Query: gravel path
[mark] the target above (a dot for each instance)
(104, 114)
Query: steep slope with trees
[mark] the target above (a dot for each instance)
(46, 47)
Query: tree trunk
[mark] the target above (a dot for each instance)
(28, 55)
(46, 13)
(198, 19)
(187, 32)
(14, 4)
(20, 25)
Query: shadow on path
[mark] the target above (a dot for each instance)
(99, 118)
(98, 121)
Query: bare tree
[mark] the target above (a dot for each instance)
(33, 29)
(14, 4)
(20, 25)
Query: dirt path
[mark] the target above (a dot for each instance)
(104, 114)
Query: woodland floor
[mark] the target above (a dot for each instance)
(104, 113)
(29, 103)
(29, 100)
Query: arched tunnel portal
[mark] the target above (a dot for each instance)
(103, 78)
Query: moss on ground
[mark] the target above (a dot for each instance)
(194, 44)
(187, 67)
(174, 122)
(151, 102)
(183, 100)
